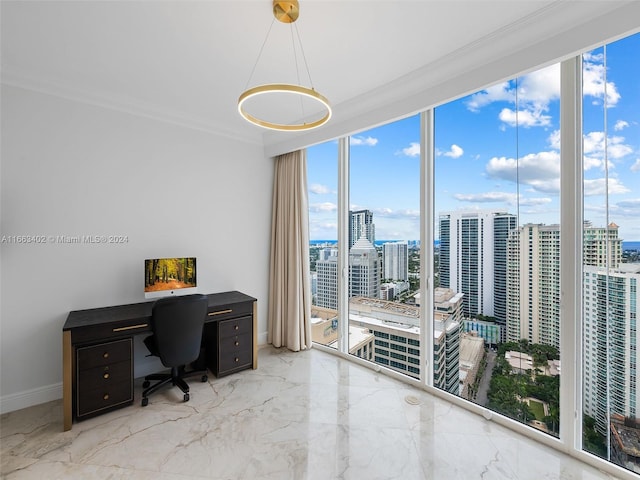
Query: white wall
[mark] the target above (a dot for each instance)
(70, 168)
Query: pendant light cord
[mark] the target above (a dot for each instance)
(259, 54)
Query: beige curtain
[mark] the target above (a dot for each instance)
(289, 320)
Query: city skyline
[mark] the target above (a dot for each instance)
(476, 135)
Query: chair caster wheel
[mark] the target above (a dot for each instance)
(186, 397)
(204, 378)
(145, 401)
(146, 383)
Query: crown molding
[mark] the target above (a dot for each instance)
(537, 40)
(15, 78)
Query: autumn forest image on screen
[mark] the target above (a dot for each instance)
(169, 274)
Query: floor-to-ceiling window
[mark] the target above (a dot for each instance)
(322, 179)
(495, 296)
(611, 238)
(497, 284)
(383, 240)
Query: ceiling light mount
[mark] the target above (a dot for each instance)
(285, 12)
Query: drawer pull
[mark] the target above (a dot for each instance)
(105, 355)
(237, 343)
(131, 327)
(237, 359)
(105, 376)
(106, 396)
(237, 327)
(221, 312)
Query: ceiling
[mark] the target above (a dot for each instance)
(187, 62)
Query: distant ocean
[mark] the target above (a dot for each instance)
(630, 246)
(377, 242)
(625, 245)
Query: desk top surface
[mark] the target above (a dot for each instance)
(140, 311)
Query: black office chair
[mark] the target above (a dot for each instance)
(177, 324)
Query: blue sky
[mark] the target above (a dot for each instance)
(483, 162)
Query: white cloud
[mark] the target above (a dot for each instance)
(524, 118)
(554, 140)
(532, 202)
(366, 141)
(540, 170)
(597, 187)
(323, 207)
(616, 148)
(454, 152)
(318, 189)
(487, 197)
(535, 92)
(620, 124)
(594, 148)
(497, 93)
(593, 83)
(636, 166)
(386, 212)
(633, 203)
(500, 197)
(412, 150)
(541, 86)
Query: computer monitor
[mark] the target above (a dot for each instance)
(164, 277)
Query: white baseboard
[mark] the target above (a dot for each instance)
(36, 396)
(29, 398)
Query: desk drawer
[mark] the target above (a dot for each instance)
(235, 343)
(108, 395)
(234, 327)
(230, 311)
(104, 354)
(104, 376)
(235, 360)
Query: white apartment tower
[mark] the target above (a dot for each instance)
(533, 284)
(533, 277)
(327, 280)
(361, 225)
(395, 261)
(473, 259)
(364, 274)
(611, 338)
(364, 270)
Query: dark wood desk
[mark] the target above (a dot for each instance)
(97, 350)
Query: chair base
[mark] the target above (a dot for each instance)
(175, 378)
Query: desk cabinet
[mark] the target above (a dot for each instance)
(233, 340)
(104, 376)
(229, 341)
(97, 350)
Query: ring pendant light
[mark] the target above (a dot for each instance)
(285, 12)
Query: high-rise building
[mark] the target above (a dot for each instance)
(327, 281)
(361, 225)
(364, 274)
(503, 223)
(395, 260)
(611, 338)
(597, 251)
(364, 270)
(533, 277)
(396, 328)
(533, 284)
(473, 259)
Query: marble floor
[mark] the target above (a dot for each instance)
(308, 415)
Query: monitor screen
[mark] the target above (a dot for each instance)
(169, 276)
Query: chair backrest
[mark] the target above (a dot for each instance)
(177, 324)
